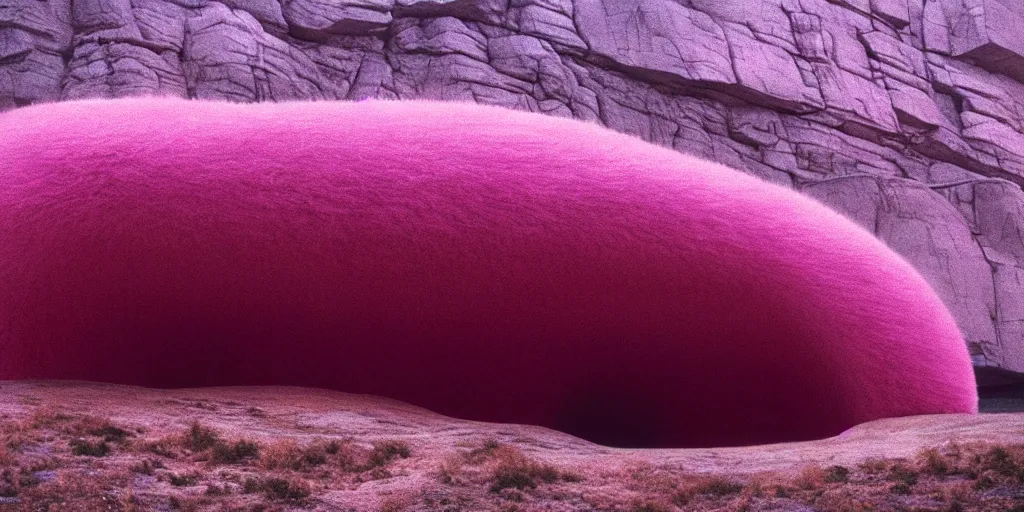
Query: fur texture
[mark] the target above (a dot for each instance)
(484, 263)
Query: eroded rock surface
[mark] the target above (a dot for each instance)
(907, 115)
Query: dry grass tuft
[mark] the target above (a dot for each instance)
(515, 470)
(506, 470)
(88, 448)
(288, 489)
(198, 438)
(241, 450)
(286, 454)
(810, 478)
(705, 485)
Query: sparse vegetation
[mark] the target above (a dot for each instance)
(199, 438)
(284, 489)
(900, 488)
(479, 455)
(903, 474)
(568, 476)
(89, 448)
(873, 466)
(837, 474)
(147, 466)
(933, 462)
(810, 478)
(332, 447)
(216, 490)
(286, 454)
(183, 480)
(224, 453)
(50, 455)
(515, 470)
(717, 486)
(386, 451)
(162, 447)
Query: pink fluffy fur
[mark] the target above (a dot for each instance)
(480, 262)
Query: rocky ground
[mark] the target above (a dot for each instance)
(80, 446)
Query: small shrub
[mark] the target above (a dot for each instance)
(903, 474)
(28, 479)
(959, 492)
(7, 458)
(509, 476)
(571, 477)
(448, 469)
(374, 474)
(385, 451)
(281, 454)
(742, 505)
(873, 466)
(313, 458)
(90, 449)
(682, 497)
(900, 488)
(145, 467)
(781, 491)
(162, 447)
(199, 438)
(479, 455)
(230, 454)
(111, 433)
(837, 474)
(986, 480)
(185, 503)
(397, 502)
(934, 463)
(250, 485)
(718, 486)
(47, 417)
(810, 478)
(285, 489)
(517, 471)
(998, 459)
(546, 473)
(184, 480)
(216, 490)
(755, 488)
(332, 447)
(347, 460)
(710, 485)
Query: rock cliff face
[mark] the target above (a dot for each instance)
(906, 115)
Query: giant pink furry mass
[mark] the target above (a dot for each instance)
(481, 262)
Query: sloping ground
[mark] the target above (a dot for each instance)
(84, 446)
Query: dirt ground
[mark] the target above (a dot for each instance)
(85, 446)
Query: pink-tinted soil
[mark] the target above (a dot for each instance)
(74, 446)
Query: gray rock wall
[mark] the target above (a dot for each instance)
(906, 115)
